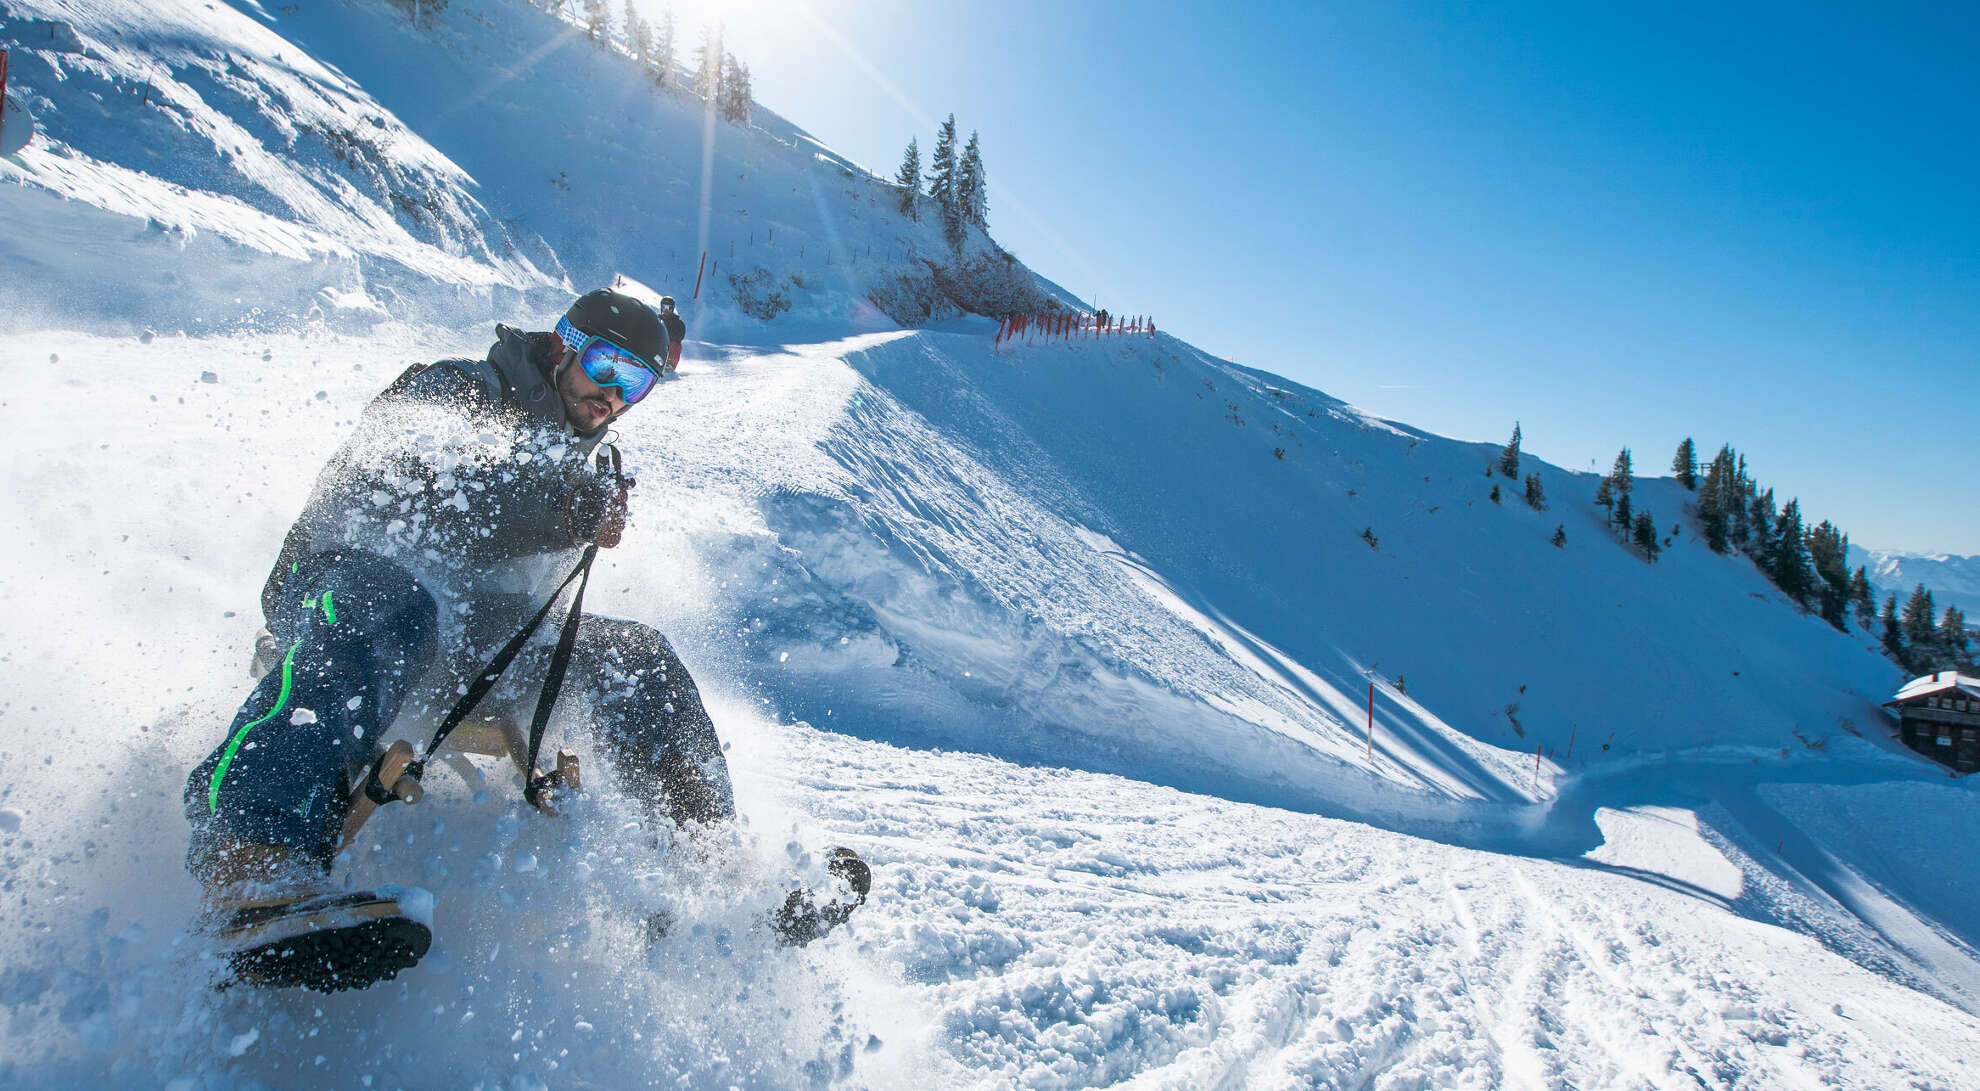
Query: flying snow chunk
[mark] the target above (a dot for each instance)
(355, 703)
(302, 716)
(241, 1042)
(208, 377)
(10, 819)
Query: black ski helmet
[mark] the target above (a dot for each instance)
(626, 321)
(666, 303)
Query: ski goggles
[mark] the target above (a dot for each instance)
(608, 363)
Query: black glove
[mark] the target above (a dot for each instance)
(598, 509)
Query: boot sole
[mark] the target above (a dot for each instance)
(354, 956)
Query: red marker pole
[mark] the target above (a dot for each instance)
(1371, 723)
(697, 275)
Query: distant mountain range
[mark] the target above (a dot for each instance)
(1953, 580)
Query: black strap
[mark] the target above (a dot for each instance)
(492, 673)
(553, 683)
(560, 661)
(553, 679)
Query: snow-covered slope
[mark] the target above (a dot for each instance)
(1150, 523)
(192, 167)
(1074, 640)
(254, 153)
(1743, 918)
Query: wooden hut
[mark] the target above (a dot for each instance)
(1939, 716)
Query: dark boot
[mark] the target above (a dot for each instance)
(807, 915)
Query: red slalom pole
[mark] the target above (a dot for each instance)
(697, 275)
(1371, 723)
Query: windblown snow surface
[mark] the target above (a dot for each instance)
(1074, 641)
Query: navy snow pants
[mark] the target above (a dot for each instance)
(358, 633)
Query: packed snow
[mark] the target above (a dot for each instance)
(1169, 774)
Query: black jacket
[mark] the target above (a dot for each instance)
(465, 472)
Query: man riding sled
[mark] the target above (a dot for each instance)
(428, 553)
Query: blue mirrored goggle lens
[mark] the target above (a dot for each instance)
(609, 365)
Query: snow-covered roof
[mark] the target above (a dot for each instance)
(1932, 685)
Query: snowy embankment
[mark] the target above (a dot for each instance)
(1074, 641)
(193, 169)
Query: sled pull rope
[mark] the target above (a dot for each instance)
(534, 782)
(492, 673)
(553, 683)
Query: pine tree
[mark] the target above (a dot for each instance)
(1952, 633)
(1788, 559)
(1738, 512)
(1646, 536)
(1684, 465)
(1495, 492)
(631, 23)
(1711, 505)
(971, 189)
(1560, 536)
(735, 92)
(597, 19)
(661, 53)
(1893, 635)
(1863, 597)
(909, 179)
(423, 11)
(708, 65)
(1921, 631)
(1621, 481)
(1509, 456)
(1620, 474)
(942, 183)
(1535, 498)
(640, 33)
(1605, 495)
(1760, 516)
(1828, 551)
(942, 165)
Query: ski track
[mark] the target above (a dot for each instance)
(1348, 971)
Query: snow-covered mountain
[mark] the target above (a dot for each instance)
(1952, 579)
(263, 163)
(1079, 641)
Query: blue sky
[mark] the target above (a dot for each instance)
(1618, 226)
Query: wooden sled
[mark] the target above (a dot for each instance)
(494, 738)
